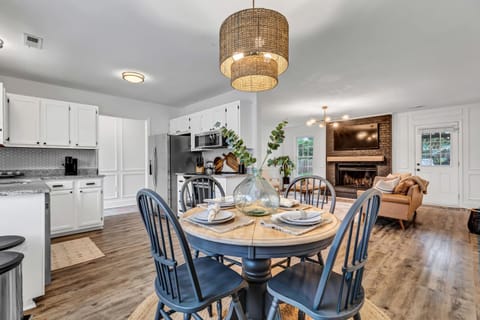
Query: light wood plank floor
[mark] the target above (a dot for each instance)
(429, 271)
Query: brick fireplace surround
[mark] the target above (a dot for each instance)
(352, 162)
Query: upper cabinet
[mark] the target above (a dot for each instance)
(180, 125)
(23, 120)
(56, 123)
(31, 121)
(3, 103)
(85, 126)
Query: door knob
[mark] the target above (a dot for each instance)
(418, 169)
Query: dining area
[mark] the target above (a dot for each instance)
(221, 247)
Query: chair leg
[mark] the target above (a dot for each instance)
(414, 218)
(158, 314)
(273, 309)
(320, 259)
(187, 316)
(196, 254)
(301, 315)
(210, 311)
(357, 317)
(401, 224)
(219, 309)
(236, 307)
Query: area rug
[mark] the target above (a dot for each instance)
(72, 252)
(146, 311)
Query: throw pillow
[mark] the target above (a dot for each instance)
(403, 187)
(401, 175)
(387, 186)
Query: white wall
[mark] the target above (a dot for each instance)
(468, 119)
(157, 114)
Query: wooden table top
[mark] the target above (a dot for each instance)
(258, 235)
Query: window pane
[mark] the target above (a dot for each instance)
(436, 148)
(304, 155)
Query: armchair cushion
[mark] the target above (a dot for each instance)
(404, 186)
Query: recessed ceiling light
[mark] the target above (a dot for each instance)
(133, 77)
(1, 43)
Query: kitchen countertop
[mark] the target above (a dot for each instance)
(31, 185)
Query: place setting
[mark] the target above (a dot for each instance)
(215, 218)
(296, 222)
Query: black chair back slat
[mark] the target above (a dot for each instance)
(198, 188)
(312, 190)
(164, 231)
(354, 234)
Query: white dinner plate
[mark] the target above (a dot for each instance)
(220, 217)
(296, 218)
(227, 201)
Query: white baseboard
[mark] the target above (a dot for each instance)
(120, 210)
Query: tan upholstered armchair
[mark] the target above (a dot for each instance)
(402, 206)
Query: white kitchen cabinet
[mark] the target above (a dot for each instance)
(23, 120)
(90, 207)
(213, 118)
(233, 116)
(3, 108)
(84, 125)
(229, 182)
(75, 205)
(62, 211)
(180, 125)
(55, 123)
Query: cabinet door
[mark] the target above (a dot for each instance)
(233, 117)
(24, 120)
(218, 117)
(206, 120)
(62, 211)
(55, 123)
(85, 125)
(2, 108)
(89, 207)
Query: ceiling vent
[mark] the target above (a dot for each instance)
(32, 41)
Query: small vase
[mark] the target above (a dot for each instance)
(255, 196)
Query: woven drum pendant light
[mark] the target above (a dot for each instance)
(254, 48)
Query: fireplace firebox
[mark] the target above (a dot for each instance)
(350, 177)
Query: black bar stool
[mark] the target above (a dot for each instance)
(8, 242)
(11, 302)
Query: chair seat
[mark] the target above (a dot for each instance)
(216, 281)
(306, 276)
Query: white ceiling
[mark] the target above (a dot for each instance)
(358, 57)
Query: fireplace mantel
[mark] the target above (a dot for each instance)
(355, 158)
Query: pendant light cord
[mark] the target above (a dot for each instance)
(253, 4)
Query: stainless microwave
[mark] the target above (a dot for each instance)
(209, 140)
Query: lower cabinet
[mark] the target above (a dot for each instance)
(75, 206)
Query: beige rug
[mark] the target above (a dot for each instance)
(146, 311)
(69, 253)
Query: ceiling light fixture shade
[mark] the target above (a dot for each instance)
(133, 77)
(254, 48)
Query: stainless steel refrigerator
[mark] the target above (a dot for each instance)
(169, 155)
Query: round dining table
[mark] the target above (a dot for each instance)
(256, 245)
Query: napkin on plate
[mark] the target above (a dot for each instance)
(213, 208)
(288, 203)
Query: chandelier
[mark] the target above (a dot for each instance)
(322, 123)
(254, 48)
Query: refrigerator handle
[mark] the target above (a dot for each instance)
(150, 167)
(155, 167)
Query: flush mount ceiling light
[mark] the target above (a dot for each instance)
(323, 122)
(133, 77)
(254, 48)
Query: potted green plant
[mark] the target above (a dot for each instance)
(255, 195)
(286, 167)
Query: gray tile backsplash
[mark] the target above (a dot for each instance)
(36, 158)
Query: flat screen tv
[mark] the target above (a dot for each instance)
(355, 137)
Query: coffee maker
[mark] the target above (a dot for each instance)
(71, 166)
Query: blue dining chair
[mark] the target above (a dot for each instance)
(185, 284)
(317, 290)
(310, 190)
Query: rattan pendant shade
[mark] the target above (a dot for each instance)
(254, 48)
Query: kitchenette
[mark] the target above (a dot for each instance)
(49, 182)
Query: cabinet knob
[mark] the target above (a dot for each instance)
(44, 143)
(76, 144)
(38, 142)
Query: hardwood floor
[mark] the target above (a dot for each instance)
(430, 271)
